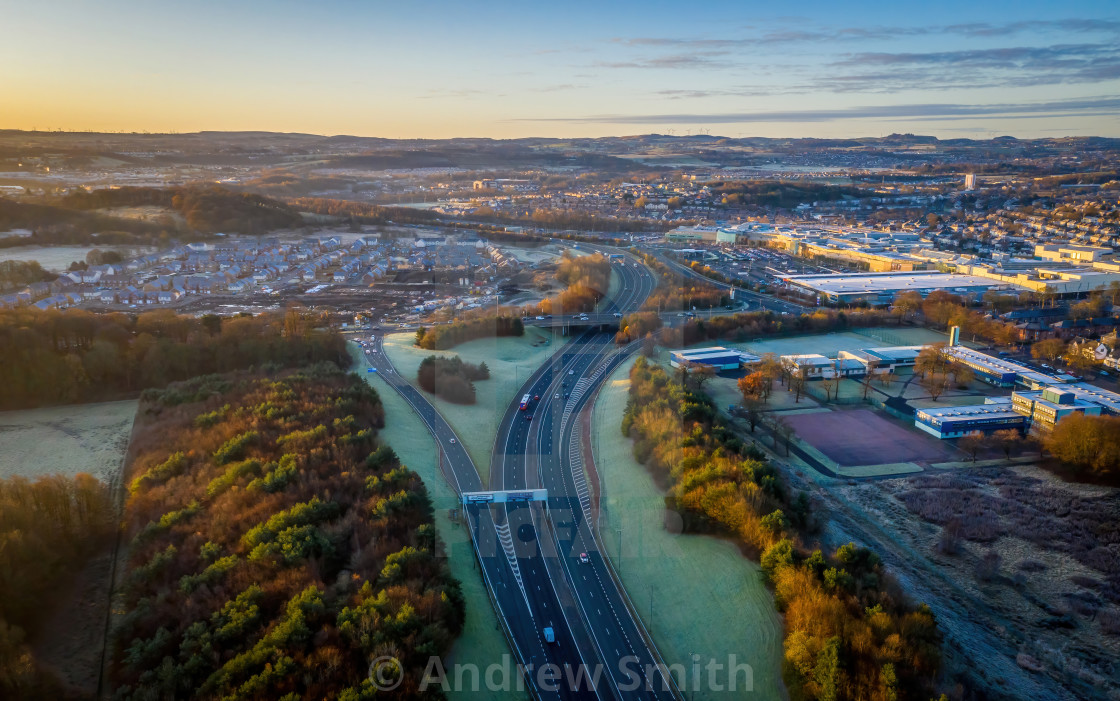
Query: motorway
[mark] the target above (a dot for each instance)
(520, 614)
(530, 556)
(545, 451)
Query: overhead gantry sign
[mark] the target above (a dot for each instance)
(505, 496)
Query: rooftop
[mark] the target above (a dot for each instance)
(890, 282)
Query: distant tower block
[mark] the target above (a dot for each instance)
(969, 181)
(954, 336)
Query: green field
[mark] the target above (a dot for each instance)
(706, 598)
(832, 343)
(511, 361)
(66, 440)
(482, 642)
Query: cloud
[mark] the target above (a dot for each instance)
(932, 111)
(458, 93)
(1018, 66)
(973, 69)
(802, 35)
(697, 59)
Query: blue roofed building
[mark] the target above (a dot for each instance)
(956, 421)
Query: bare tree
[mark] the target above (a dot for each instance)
(931, 359)
(963, 375)
(936, 383)
(972, 443)
(872, 368)
(1007, 440)
(782, 431)
(700, 374)
(831, 386)
(797, 382)
(752, 412)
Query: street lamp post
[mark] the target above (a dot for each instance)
(619, 550)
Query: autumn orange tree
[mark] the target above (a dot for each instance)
(1088, 444)
(755, 386)
(850, 632)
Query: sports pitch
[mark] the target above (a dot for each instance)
(862, 437)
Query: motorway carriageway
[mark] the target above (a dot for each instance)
(538, 581)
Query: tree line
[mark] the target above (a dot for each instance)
(74, 355)
(587, 279)
(745, 326)
(276, 547)
(779, 194)
(676, 292)
(17, 274)
(850, 633)
(451, 378)
(52, 224)
(49, 528)
(442, 337)
(208, 209)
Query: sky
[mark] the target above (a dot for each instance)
(423, 69)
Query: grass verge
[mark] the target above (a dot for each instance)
(511, 361)
(696, 594)
(482, 642)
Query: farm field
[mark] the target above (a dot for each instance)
(59, 258)
(706, 598)
(66, 440)
(511, 361)
(481, 642)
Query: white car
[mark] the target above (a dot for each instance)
(453, 441)
(540, 318)
(556, 396)
(571, 372)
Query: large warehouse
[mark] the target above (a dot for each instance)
(882, 288)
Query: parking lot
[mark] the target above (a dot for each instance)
(756, 266)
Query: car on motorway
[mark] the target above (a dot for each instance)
(453, 441)
(549, 634)
(557, 396)
(617, 315)
(536, 397)
(584, 558)
(567, 394)
(571, 372)
(540, 318)
(528, 417)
